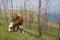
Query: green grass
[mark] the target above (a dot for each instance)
(5, 35)
(48, 33)
(30, 34)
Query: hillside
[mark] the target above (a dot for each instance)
(30, 34)
(35, 17)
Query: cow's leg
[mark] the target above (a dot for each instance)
(18, 28)
(9, 29)
(13, 28)
(21, 29)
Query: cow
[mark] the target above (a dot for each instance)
(17, 22)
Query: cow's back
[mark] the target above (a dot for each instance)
(17, 19)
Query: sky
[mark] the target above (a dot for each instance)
(19, 4)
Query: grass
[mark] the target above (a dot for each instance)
(48, 33)
(5, 35)
(30, 34)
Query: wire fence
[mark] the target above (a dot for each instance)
(35, 22)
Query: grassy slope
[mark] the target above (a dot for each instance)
(5, 35)
(48, 33)
(28, 35)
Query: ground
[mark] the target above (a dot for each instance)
(5, 35)
(30, 34)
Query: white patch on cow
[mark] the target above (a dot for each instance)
(21, 28)
(11, 25)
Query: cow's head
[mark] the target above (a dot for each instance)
(14, 16)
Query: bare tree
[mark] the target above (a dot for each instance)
(25, 1)
(25, 8)
(58, 35)
(39, 22)
(47, 9)
(59, 31)
(12, 5)
(0, 13)
(4, 4)
(32, 14)
(30, 17)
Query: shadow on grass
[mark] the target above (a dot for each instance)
(1, 24)
(34, 35)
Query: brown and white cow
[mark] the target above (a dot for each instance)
(17, 22)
